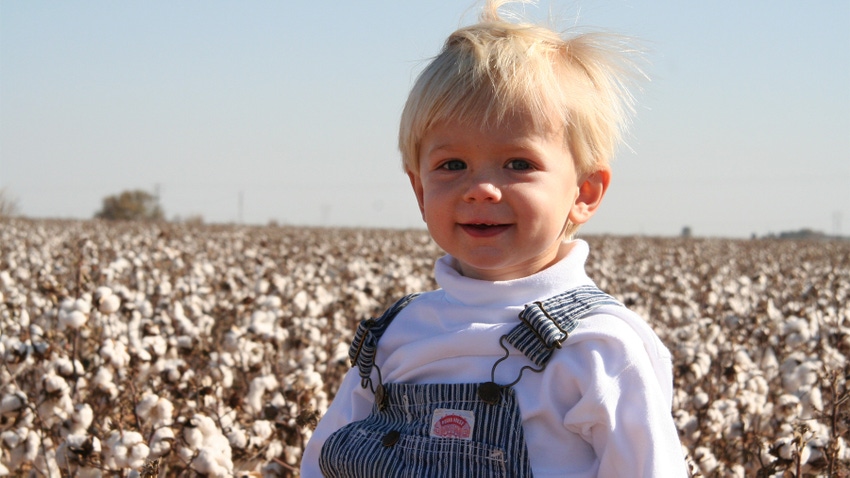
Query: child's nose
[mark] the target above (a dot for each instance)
(483, 190)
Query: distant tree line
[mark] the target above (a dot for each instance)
(8, 204)
(135, 205)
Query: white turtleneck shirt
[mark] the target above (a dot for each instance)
(601, 407)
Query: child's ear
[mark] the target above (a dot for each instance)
(416, 183)
(590, 194)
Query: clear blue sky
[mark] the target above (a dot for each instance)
(293, 107)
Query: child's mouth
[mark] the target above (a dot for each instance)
(484, 230)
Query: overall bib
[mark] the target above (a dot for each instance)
(457, 430)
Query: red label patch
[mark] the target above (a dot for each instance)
(452, 424)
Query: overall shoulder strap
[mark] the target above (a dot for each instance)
(365, 343)
(547, 324)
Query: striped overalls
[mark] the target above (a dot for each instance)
(456, 430)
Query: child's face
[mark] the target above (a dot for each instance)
(498, 198)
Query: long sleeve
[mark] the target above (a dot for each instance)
(352, 403)
(624, 411)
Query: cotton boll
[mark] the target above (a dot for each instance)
(209, 464)
(110, 304)
(231, 339)
(262, 429)
(65, 368)
(155, 344)
(340, 353)
(101, 293)
(83, 304)
(312, 380)
(224, 375)
(211, 449)
(700, 400)
(103, 381)
(758, 384)
(843, 449)
(700, 366)
(722, 419)
(743, 360)
(193, 437)
(258, 387)
(142, 354)
(161, 442)
(262, 323)
(125, 450)
(185, 342)
(13, 438)
(786, 448)
(23, 317)
(796, 332)
(17, 355)
(799, 376)
(751, 403)
(73, 319)
(45, 460)
(773, 313)
(145, 308)
(261, 287)
(274, 449)
(146, 404)
(238, 438)
(170, 369)
(205, 425)
(88, 472)
(812, 402)
(788, 369)
(300, 301)
(736, 471)
(687, 425)
(808, 373)
(75, 444)
(315, 336)
(788, 408)
(251, 354)
(81, 419)
(12, 403)
(55, 409)
(705, 459)
(115, 352)
(31, 446)
(54, 384)
(164, 289)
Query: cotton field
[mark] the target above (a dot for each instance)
(148, 350)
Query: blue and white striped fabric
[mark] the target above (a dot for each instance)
(547, 324)
(396, 441)
(365, 342)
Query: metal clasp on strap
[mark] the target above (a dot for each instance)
(537, 325)
(365, 325)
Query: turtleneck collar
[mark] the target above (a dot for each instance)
(563, 275)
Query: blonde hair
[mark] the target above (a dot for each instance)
(495, 69)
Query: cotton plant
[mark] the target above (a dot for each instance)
(124, 449)
(205, 447)
(121, 337)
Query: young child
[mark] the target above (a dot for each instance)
(518, 365)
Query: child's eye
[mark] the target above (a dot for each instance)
(453, 165)
(519, 164)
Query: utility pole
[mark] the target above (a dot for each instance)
(241, 202)
(156, 190)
